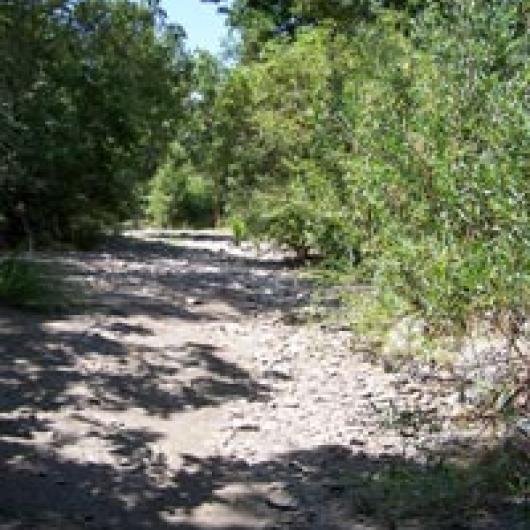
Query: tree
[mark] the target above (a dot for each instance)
(91, 92)
(403, 136)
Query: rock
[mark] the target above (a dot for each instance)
(523, 426)
(389, 366)
(405, 338)
(519, 435)
(292, 403)
(277, 374)
(280, 500)
(191, 300)
(412, 389)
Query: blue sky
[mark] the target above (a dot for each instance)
(204, 26)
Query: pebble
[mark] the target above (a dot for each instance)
(326, 403)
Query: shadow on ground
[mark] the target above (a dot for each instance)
(43, 370)
(330, 487)
(325, 488)
(165, 277)
(40, 370)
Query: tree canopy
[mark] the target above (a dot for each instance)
(90, 93)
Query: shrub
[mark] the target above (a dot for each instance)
(307, 218)
(402, 145)
(239, 229)
(27, 284)
(180, 196)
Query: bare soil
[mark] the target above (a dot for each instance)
(190, 391)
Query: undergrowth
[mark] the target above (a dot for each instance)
(446, 492)
(29, 284)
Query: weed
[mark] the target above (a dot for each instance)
(29, 284)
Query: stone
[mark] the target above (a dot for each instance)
(281, 500)
(292, 403)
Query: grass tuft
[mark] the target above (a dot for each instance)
(28, 284)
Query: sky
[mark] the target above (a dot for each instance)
(203, 24)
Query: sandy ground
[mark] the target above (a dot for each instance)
(189, 394)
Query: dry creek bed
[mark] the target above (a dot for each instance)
(191, 393)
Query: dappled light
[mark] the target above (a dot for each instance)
(281, 286)
(131, 411)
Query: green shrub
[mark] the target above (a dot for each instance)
(28, 284)
(73, 141)
(239, 229)
(446, 210)
(289, 222)
(402, 146)
(305, 217)
(180, 196)
(446, 492)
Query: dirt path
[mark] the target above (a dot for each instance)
(187, 395)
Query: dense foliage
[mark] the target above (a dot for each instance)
(179, 194)
(90, 91)
(391, 133)
(183, 190)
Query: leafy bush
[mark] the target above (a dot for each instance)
(445, 187)
(449, 284)
(302, 225)
(27, 284)
(239, 228)
(402, 143)
(74, 143)
(180, 196)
